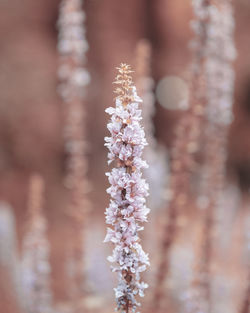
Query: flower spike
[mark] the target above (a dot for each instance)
(127, 209)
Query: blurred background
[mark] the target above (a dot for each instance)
(32, 141)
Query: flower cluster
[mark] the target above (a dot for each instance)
(199, 26)
(73, 76)
(220, 54)
(127, 209)
(72, 46)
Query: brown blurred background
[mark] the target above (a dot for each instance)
(31, 113)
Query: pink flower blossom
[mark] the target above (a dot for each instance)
(127, 209)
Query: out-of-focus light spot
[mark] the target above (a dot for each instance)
(172, 93)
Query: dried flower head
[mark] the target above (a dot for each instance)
(127, 209)
(124, 82)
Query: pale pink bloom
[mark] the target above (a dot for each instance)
(127, 207)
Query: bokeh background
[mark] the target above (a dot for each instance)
(31, 127)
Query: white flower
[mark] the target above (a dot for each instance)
(128, 191)
(219, 73)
